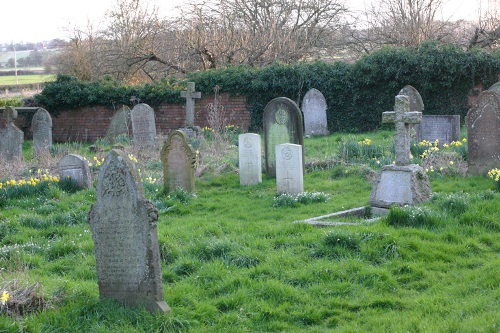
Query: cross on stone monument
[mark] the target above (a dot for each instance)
(402, 117)
(190, 94)
(288, 178)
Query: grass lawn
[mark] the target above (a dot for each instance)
(233, 261)
(11, 80)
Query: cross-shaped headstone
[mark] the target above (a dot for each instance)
(402, 117)
(190, 94)
(10, 114)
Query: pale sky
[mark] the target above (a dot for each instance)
(38, 20)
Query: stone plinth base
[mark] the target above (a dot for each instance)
(400, 185)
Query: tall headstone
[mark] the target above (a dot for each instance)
(314, 109)
(41, 126)
(11, 137)
(444, 128)
(75, 168)
(403, 183)
(125, 237)
(190, 94)
(250, 159)
(282, 121)
(143, 126)
(178, 159)
(483, 131)
(120, 123)
(289, 169)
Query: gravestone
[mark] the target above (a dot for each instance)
(282, 122)
(178, 159)
(143, 126)
(120, 123)
(403, 183)
(123, 225)
(11, 137)
(444, 128)
(41, 126)
(289, 169)
(416, 102)
(250, 159)
(495, 88)
(314, 109)
(75, 168)
(483, 131)
(190, 94)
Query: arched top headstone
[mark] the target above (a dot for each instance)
(178, 158)
(75, 168)
(495, 88)
(314, 109)
(416, 102)
(143, 126)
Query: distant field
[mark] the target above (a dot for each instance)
(25, 79)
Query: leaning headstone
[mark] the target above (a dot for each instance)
(483, 131)
(11, 137)
(190, 94)
(125, 237)
(401, 184)
(76, 169)
(178, 159)
(41, 126)
(444, 128)
(495, 88)
(143, 126)
(282, 122)
(120, 123)
(314, 109)
(289, 169)
(250, 159)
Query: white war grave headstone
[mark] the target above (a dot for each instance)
(289, 169)
(11, 137)
(143, 126)
(403, 183)
(282, 122)
(76, 169)
(178, 159)
(125, 235)
(41, 126)
(190, 94)
(314, 109)
(250, 159)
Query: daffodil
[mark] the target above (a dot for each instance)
(4, 298)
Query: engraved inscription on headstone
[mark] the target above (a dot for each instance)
(41, 126)
(314, 109)
(75, 168)
(178, 159)
(289, 172)
(444, 128)
(250, 159)
(143, 126)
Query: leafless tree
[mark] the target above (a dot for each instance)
(486, 33)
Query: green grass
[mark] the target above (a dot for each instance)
(233, 262)
(11, 80)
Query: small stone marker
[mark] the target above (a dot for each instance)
(444, 128)
(314, 109)
(282, 121)
(41, 126)
(289, 169)
(483, 131)
(123, 227)
(76, 168)
(178, 159)
(250, 159)
(143, 126)
(190, 94)
(401, 184)
(11, 137)
(120, 123)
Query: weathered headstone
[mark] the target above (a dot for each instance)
(41, 126)
(120, 123)
(403, 183)
(190, 94)
(178, 159)
(416, 102)
(125, 237)
(143, 126)
(11, 137)
(289, 169)
(282, 122)
(250, 159)
(495, 88)
(314, 109)
(75, 168)
(483, 131)
(444, 128)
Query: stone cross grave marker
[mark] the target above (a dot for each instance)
(75, 168)
(402, 117)
(190, 94)
(250, 159)
(143, 126)
(483, 131)
(444, 128)
(120, 123)
(41, 126)
(178, 159)
(282, 122)
(314, 109)
(11, 137)
(123, 225)
(289, 169)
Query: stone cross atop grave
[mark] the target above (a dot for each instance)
(10, 114)
(190, 94)
(402, 117)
